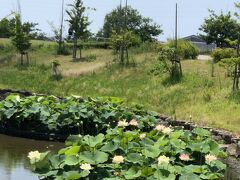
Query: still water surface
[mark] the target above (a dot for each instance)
(14, 163)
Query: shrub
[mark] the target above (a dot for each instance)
(145, 47)
(126, 152)
(186, 50)
(66, 116)
(98, 45)
(223, 53)
(126, 39)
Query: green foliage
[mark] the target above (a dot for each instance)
(126, 39)
(78, 24)
(145, 47)
(166, 55)
(185, 49)
(64, 116)
(219, 54)
(124, 154)
(145, 28)
(20, 39)
(168, 62)
(7, 27)
(97, 45)
(78, 21)
(219, 28)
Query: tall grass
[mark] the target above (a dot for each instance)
(207, 99)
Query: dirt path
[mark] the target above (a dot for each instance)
(84, 68)
(204, 57)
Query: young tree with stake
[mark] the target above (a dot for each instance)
(20, 39)
(79, 23)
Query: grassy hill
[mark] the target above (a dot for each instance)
(207, 99)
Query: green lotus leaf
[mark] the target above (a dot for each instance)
(147, 142)
(147, 171)
(132, 173)
(72, 150)
(130, 135)
(93, 141)
(10, 112)
(94, 157)
(189, 176)
(133, 145)
(151, 151)
(56, 160)
(109, 147)
(71, 175)
(194, 169)
(164, 174)
(71, 160)
(73, 140)
(178, 144)
(176, 134)
(135, 158)
(84, 173)
(202, 132)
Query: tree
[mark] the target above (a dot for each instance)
(78, 23)
(124, 40)
(7, 27)
(219, 29)
(20, 39)
(145, 28)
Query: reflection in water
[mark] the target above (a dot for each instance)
(233, 170)
(13, 156)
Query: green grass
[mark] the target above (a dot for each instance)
(207, 99)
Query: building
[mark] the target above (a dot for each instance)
(200, 43)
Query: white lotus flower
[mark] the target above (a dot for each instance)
(122, 123)
(163, 160)
(118, 159)
(86, 167)
(34, 155)
(160, 127)
(209, 158)
(167, 130)
(142, 136)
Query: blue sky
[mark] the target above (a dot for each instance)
(191, 12)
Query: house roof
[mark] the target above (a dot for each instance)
(193, 38)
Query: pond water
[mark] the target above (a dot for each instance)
(14, 163)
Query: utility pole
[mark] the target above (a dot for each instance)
(177, 63)
(125, 29)
(176, 31)
(61, 30)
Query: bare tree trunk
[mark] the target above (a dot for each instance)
(21, 59)
(27, 59)
(238, 76)
(121, 55)
(234, 77)
(80, 51)
(127, 58)
(74, 48)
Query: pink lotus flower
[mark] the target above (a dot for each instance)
(184, 157)
(133, 122)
